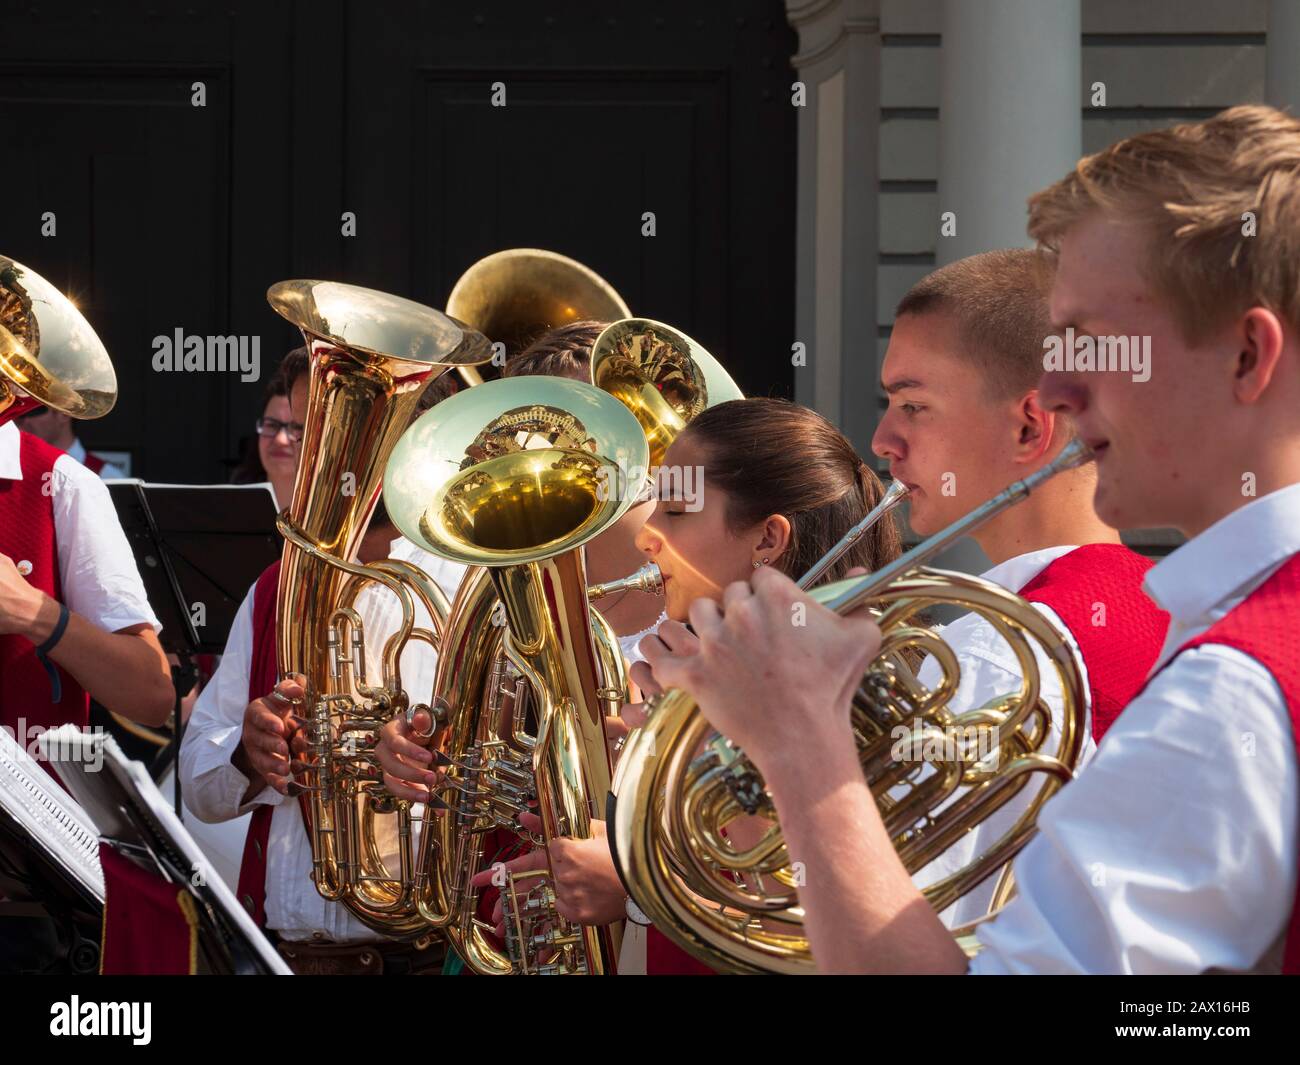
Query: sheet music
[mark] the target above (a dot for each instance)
(57, 825)
(121, 785)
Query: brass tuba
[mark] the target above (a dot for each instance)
(514, 476)
(49, 354)
(512, 296)
(680, 784)
(371, 357)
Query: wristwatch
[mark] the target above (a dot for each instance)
(635, 914)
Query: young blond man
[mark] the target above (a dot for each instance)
(1175, 851)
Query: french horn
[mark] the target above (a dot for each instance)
(680, 784)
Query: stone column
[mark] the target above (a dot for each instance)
(1010, 115)
(839, 132)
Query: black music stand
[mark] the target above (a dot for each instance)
(195, 544)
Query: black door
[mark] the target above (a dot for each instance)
(447, 130)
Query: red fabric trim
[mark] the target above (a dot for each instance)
(150, 925)
(663, 957)
(1266, 626)
(1096, 590)
(27, 534)
(262, 678)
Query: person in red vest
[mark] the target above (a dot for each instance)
(1175, 851)
(74, 618)
(55, 427)
(964, 421)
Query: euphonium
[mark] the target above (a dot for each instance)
(680, 783)
(371, 356)
(661, 375)
(515, 476)
(49, 354)
(512, 296)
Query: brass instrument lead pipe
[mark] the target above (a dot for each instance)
(893, 497)
(864, 589)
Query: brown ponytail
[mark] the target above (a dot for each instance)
(774, 457)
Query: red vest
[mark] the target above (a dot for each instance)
(94, 464)
(1266, 626)
(27, 534)
(1097, 591)
(263, 674)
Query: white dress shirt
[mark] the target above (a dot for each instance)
(97, 572)
(213, 788)
(631, 645)
(1175, 850)
(110, 472)
(990, 670)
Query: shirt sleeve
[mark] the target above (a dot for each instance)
(1174, 852)
(97, 571)
(213, 788)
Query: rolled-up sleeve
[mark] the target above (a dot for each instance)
(213, 788)
(97, 570)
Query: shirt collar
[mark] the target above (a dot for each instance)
(77, 450)
(1015, 573)
(11, 468)
(1236, 551)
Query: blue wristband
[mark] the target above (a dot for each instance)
(51, 670)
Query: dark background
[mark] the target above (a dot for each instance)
(174, 216)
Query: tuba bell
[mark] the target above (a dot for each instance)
(680, 783)
(661, 375)
(512, 296)
(513, 477)
(371, 356)
(49, 354)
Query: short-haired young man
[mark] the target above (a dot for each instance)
(965, 421)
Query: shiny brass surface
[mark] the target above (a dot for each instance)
(49, 354)
(515, 476)
(514, 296)
(661, 375)
(894, 497)
(646, 579)
(371, 355)
(680, 783)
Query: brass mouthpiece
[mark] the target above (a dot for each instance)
(646, 579)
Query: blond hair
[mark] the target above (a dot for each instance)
(1220, 200)
(998, 300)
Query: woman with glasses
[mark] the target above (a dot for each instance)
(275, 458)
